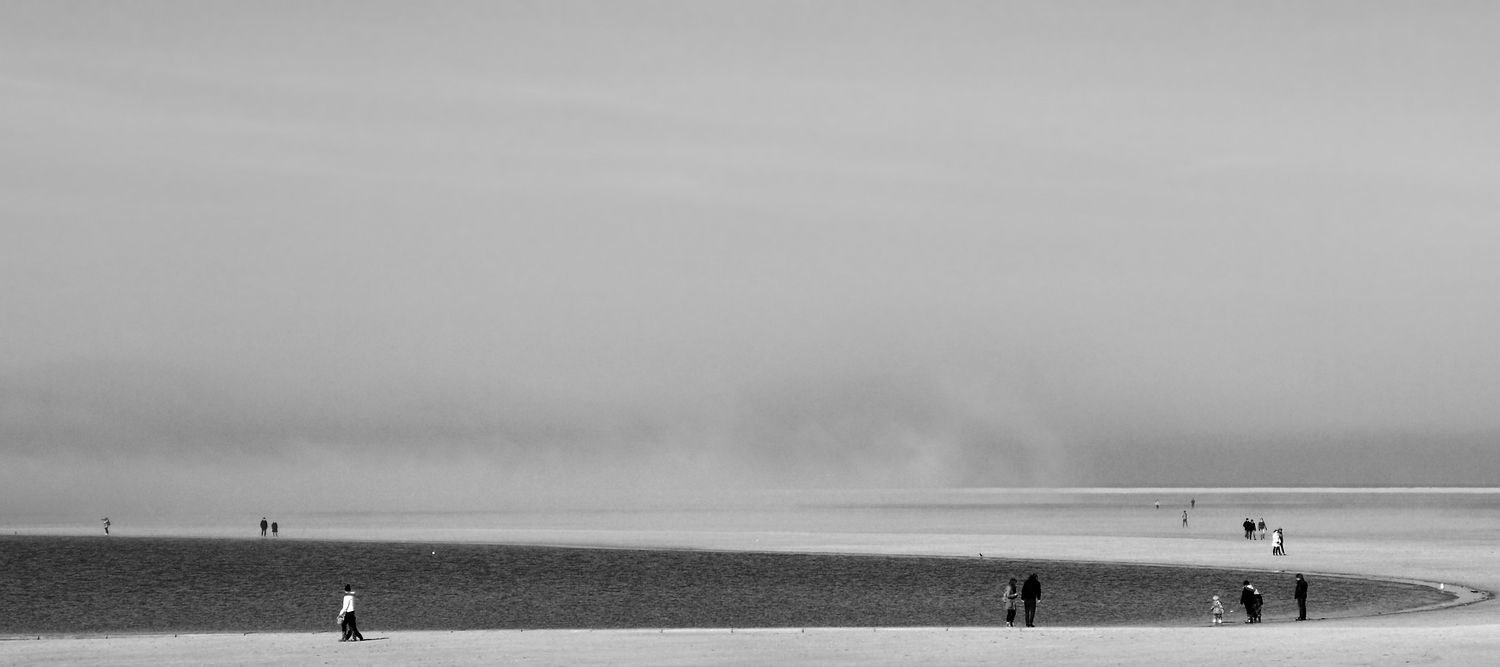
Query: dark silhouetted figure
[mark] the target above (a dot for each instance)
(263, 525)
(1247, 598)
(106, 525)
(1249, 527)
(1031, 591)
(1301, 596)
(273, 529)
(1193, 503)
(346, 618)
(1184, 519)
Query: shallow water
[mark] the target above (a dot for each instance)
(51, 584)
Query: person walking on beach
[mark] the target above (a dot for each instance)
(106, 525)
(263, 526)
(1249, 527)
(1301, 596)
(1281, 540)
(1031, 591)
(1261, 526)
(1012, 591)
(1247, 599)
(273, 529)
(1276, 543)
(346, 618)
(1217, 609)
(1184, 519)
(1193, 503)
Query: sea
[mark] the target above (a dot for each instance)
(102, 585)
(455, 571)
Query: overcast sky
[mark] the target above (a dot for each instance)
(411, 256)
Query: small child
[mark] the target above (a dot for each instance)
(1218, 612)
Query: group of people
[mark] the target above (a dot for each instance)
(1257, 530)
(1252, 600)
(1029, 593)
(263, 524)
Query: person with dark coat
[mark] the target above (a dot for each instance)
(1247, 598)
(1249, 527)
(263, 526)
(1031, 591)
(1301, 595)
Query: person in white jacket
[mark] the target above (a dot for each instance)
(346, 618)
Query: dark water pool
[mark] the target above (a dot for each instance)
(87, 585)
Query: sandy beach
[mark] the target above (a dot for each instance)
(1424, 542)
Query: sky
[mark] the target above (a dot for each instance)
(408, 256)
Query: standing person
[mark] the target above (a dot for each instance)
(1276, 543)
(263, 526)
(1301, 595)
(1158, 504)
(273, 529)
(1031, 591)
(1012, 591)
(1249, 527)
(1184, 519)
(106, 525)
(1193, 503)
(346, 618)
(1247, 599)
(1281, 540)
(1261, 526)
(1217, 609)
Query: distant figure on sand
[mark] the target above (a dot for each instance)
(1301, 596)
(1193, 503)
(1276, 543)
(1158, 504)
(1247, 599)
(346, 618)
(1184, 519)
(1031, 591)
(1011, 592)
(263, 525)
(1261, 526)
(1249, 527)
(1217, 609)
(273, 529)
(106, 525)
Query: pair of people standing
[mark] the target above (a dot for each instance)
(346, 618)
(1029, 593)
(274, 528)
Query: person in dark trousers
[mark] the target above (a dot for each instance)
(263, 525)
(346, 618)
(1249, 527)
(106, 525)
(273, 529)
(1012, 591)
(1247, 598)
(1031, 591)
(1193, 503)
(1301, 595)
(1184, 519)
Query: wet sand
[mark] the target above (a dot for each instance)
(1431, 542)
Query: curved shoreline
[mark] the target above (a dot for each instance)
(795, 613)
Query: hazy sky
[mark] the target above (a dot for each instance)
(410, 256)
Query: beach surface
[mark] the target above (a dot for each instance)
(1447, 537)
